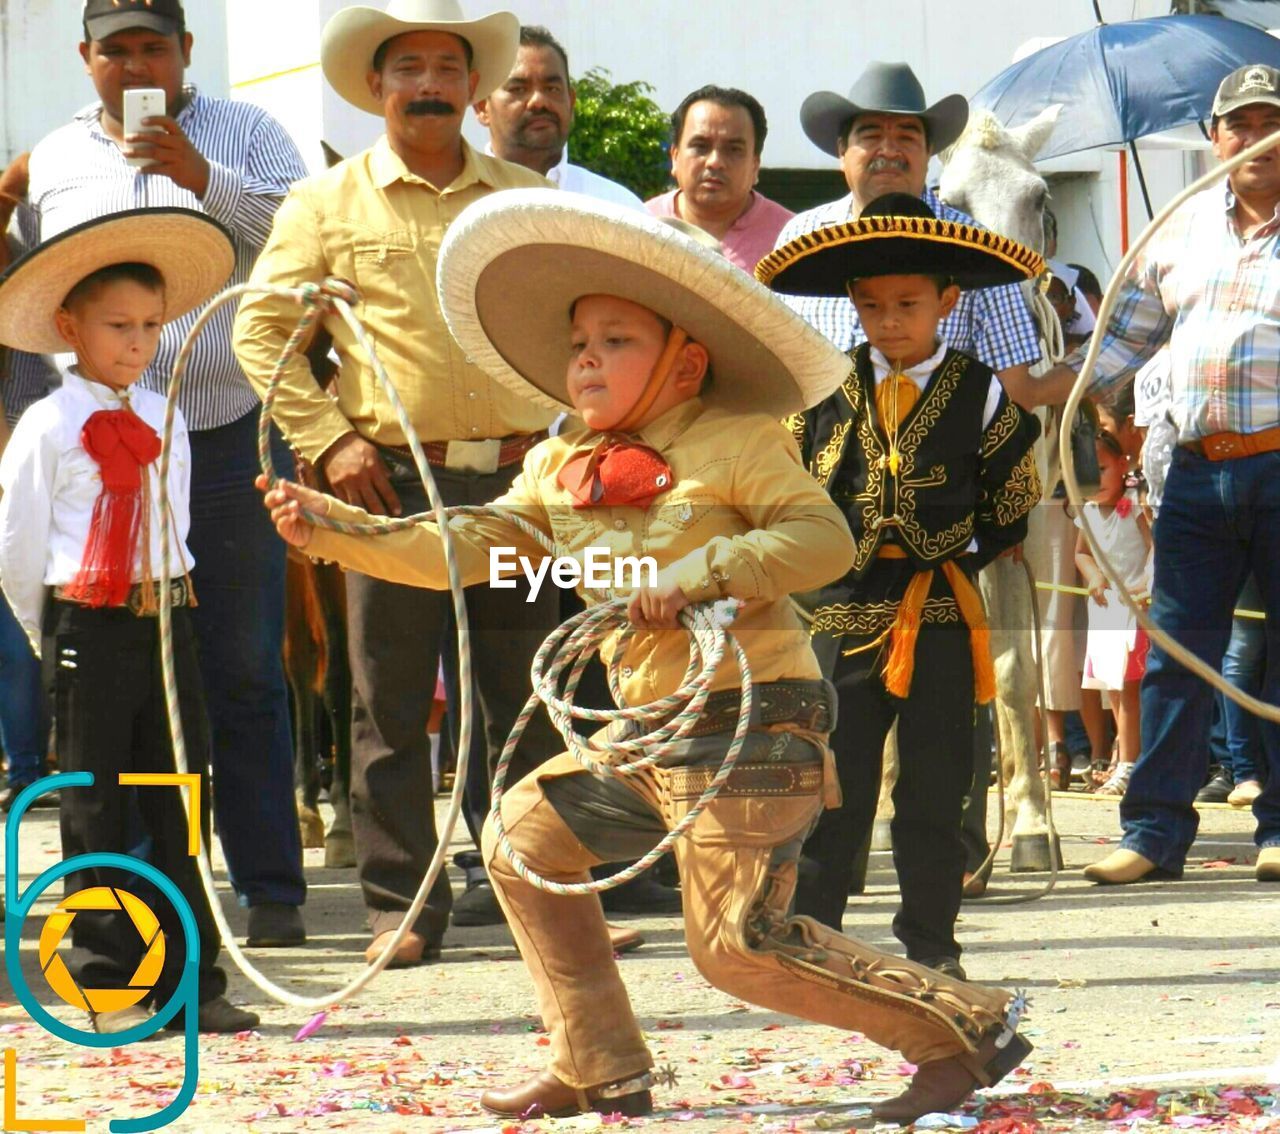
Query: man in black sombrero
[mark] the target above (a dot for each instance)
(932, 465)
(883, 134)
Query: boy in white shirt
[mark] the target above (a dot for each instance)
(80, 547)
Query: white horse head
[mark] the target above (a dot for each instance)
(987, 173)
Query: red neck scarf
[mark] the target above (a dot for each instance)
(123, 445)
(616, 472)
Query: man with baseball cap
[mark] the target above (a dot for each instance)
(233, 162)
(377, 220)
(1206, 287)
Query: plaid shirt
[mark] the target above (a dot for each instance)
(992, 325)
(1214, 297)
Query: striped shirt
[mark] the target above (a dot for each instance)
(78, 173)
(991, 324)
(1214, 297)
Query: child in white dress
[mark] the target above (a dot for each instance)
(1116, 653)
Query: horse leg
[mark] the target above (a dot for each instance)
(1008, 601)
(339, 842)
(881, 836)
(300, 659)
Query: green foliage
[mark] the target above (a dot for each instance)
(619, 132)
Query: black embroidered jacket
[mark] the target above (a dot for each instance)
(956, 482)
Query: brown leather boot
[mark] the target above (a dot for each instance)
(945, 1083)
(545, 1095)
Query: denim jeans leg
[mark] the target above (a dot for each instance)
(1243, 666)
(1200, 562)
(239, 582)
(1260, 489)
(24, 713)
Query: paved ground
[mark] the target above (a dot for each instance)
(1151, 1004)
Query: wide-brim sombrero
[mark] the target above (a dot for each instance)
(192, 251)
(514, 263)
(824, 261)
(353, 35)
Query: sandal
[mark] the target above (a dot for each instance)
(1118, 781)
(1099, 773)
(1060, 773)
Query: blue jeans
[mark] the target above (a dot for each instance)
(1244, 664)
(239, 623)
(1219, 521)
(24, 714)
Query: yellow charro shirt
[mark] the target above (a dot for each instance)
(370, 221)
(744, 520)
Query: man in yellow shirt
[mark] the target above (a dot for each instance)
(377, 220)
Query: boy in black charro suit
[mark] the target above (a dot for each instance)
(932, 465)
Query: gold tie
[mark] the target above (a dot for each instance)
(894, 398)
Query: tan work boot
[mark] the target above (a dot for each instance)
(1267, 868)
(1123, 866)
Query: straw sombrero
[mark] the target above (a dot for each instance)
(192, 251)
(897, 234)
(513, 264)
(353, 35)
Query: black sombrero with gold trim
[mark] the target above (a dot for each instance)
(897, 234)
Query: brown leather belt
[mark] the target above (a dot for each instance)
(809, 704)
(746, 779)
(181, 593)
(475, 456)
(1232, 446)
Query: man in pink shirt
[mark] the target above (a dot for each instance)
(718, 137)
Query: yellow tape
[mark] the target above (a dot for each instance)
(1066, 590)
(259, 79)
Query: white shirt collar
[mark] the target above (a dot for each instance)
(106, 396)
(919, 373)
(555, 175)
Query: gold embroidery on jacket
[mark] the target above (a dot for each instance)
(874, 617)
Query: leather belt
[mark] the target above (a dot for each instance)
(181, 593)
(475, 456)
(809, 704)
(746, 779)
(1232, 446)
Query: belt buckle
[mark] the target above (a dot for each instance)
(473, 456)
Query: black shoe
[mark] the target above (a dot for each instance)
(10, 794)
(642, 895)
(1218, 788)
(274, 925)
(947, 966)
(478, 906)
(219, 1015)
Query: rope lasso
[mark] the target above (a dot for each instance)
(1165, 641)
(571, 646)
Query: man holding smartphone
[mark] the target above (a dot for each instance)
(234, 162)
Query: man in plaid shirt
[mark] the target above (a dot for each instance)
(1209, 286)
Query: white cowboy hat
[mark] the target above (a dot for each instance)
(514, 263)
(352, 37)
(192, 251)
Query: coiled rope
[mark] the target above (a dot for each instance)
(569, 647)
(1169, 644)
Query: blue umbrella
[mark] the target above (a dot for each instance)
(1120, 82)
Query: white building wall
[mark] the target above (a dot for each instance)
(42, 78)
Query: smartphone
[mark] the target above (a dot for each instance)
(141, 103)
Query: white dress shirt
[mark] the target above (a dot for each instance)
(575, 179)
(921, 372)
(51, 484)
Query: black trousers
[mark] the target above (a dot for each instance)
(396, 634)
(935, 745)
(104, 668)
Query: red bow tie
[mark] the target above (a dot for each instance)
(616, 473)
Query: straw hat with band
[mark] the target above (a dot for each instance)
(514, 263)
(192, 251)
(352, 37)
(896, 235)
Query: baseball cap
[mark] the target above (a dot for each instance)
(1255, 83)
(106, 17)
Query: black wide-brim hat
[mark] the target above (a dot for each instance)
(896, 235)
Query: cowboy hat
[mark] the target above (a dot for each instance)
(352, 37)
(896, 235)
(883, 88)
(192, 251)
(514, 263)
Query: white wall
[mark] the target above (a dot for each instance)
(42, 79)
